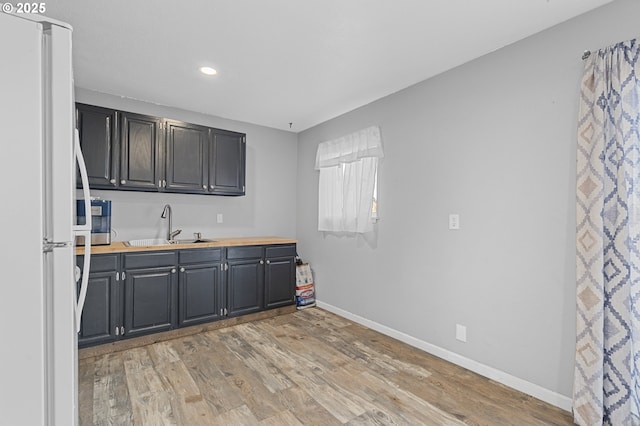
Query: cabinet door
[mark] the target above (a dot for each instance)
(140, 152)
(99, 141)
(280, 275)
(280, 285)
(149, 300)
(101, 313)
(227, 163)
(245, 286)
(199, 294)
(186, 157)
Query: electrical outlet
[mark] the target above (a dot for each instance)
(219, 218)
(461, 333)
(454, 221)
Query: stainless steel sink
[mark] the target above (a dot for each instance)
(192, 241)
(149, 242)
(146, 242)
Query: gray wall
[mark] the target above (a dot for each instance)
(269, 208)
(492, 140)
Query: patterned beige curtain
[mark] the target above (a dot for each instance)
(607, 366)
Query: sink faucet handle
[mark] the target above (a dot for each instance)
(197, 235)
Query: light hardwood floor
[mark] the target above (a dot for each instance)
(308, 367)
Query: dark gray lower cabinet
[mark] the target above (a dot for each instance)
(260, 277)
(280, 276)
(101, 315)
(150, 292)
(133, 294)
(199, 286)
(245, 280)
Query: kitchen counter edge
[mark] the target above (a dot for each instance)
(120, 247)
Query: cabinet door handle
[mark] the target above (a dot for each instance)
(181, 269)
(164, 183)
(123, 182)
(122, 331)
(211, 186)
(112, 181)
(268, 262)
(204, 186)
(173, 271)
(262, 262)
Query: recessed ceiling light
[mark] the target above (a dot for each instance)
(208, 71)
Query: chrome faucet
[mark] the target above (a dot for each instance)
(166, 212)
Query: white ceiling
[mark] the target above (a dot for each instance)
(288, 61)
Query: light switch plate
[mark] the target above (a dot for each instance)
(454, 221)
(461, 333)
(219, 218)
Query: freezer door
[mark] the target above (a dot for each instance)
(59, 201)
(39, 357)
(23, 351)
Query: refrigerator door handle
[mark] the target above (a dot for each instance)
(48, 245)
(84, 230)
(85, 184)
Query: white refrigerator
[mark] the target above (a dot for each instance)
(38, 161)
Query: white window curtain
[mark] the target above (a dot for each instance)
(348, 168)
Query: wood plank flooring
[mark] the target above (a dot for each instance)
(308, 367)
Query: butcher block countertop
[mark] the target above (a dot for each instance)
(120, 247)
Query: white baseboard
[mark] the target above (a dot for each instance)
(506, 379)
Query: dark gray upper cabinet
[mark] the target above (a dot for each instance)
(124, 150)
(187, 147)
(98, 129)
(227, 163)
(141, 156)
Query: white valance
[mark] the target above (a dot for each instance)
(349, 148)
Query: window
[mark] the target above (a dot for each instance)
(347, 193)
